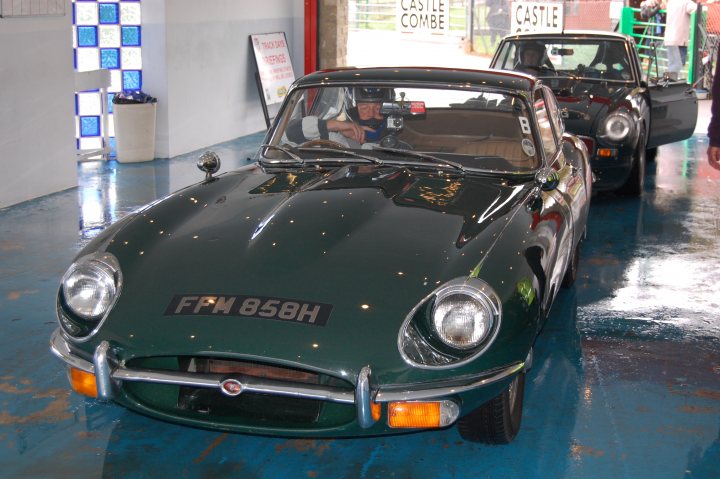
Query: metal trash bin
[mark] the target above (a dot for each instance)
(134, 116)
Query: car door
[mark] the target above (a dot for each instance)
(674, 109)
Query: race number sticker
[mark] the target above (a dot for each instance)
(263, 307)
(528, 147)
(524, 125)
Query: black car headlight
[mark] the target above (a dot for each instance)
(452, 325)
(618, 126)
(89, 289)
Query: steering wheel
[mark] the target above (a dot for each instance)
(323, 142)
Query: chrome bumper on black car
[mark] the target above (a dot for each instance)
(107, 370)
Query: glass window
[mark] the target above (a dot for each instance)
(484, 130)
(568, 59)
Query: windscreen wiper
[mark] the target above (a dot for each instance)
(423, 156)
(377, 161)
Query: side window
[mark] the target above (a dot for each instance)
(547, 136)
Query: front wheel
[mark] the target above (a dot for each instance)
(498, 420)
(651, 154)
(636, 181)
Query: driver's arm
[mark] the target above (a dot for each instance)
(312, 128)
(348, 129)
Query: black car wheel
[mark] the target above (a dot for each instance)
(636, 181)
(498, 420)
(651, 154)
(571, 271)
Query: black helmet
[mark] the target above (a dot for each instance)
(372, 94)
(537, 46)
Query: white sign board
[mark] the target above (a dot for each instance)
(274, 67)
(426, 17)
(536, 17)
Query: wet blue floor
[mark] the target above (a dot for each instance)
(625, 384)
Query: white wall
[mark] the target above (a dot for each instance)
(37, 134)
(197, 61)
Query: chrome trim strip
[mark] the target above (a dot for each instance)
(249, 384)
(405, 393)
(169, 377)
(60, 348)
(106, 370)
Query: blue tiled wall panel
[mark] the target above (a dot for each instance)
(107, 35)
(131, 36)
(89, 126)
(132, 80)
(110, 58)
(109, 13)
(87, 36)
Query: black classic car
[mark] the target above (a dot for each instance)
(605, 99)
(384, 266)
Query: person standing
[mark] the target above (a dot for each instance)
(713, 152)
(498, 19)
(677, 33)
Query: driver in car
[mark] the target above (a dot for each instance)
(531, 56)
(365, 123)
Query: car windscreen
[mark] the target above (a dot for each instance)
(594, 59)
(477, 129)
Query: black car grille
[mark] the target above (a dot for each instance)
(258, 407)
(246, 410)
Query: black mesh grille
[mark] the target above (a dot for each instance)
(246, 410)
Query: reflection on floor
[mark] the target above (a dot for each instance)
(626, 380)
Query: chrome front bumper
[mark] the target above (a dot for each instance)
(107, 370)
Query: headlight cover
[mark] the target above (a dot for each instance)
(462, 317)
(618, 126)
(89, 289)
(452, 325)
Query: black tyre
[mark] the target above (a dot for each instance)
(498, 420)
(636, 181)
(651, 154)
(571, 271)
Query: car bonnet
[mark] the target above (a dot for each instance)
(347, 252)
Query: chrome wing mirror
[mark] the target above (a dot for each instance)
(209, 162)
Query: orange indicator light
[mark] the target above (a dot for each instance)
(414, 414)
(83, 382)
(606, 152)
(376, 410)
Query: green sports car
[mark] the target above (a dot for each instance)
(384, 266)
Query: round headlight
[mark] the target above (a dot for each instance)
(618, 126)
(462, 318)
(90, 286)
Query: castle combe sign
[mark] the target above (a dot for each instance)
(536, 17)
(425, 17)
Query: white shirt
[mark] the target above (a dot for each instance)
(677, 28)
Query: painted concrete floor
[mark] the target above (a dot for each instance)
(626, 381)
